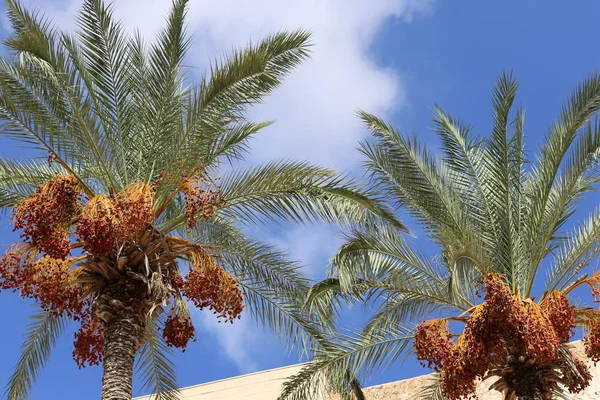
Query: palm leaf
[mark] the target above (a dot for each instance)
(154, 364)
(41, 336)
(299, 191)
(221, 100)
(335, 367)
(406, 172)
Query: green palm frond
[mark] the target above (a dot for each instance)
(381, 265)
(164, 96)
(154, 364)
(50, 92)
(283, 317)
(408, 173)
(299, 191)
(335, 367)
(486, 207)
(463, 156)
(583, 104)
(223, 97)
(14, 173)
(29, 118)
(234, 143)
(250, 260)
(325, 298)
(411, 303)
(432, 390)
(580, 176)
(32, 31)
(42, 333)
(578, 250)
(105, 66)
(498, 185)
(380, 254)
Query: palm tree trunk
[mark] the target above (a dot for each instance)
(120, 345)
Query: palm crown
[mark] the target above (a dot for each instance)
(496, 218)
(130, 191)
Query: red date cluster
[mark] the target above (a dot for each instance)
(136, 205)
(45, 215)
(561, 314)
(503, 325)
(178, 331)
(433, 343)
(471, 357)
(202, 199)
(213, 288)
(46, 280)
(89, 340)
(462, 367)
(108, 221)
(592, 341)
(99, 226)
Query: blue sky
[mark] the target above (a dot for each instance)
(396, 58)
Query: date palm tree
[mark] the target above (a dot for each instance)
(120, 205)
(503, 223)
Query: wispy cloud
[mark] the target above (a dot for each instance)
(236, 340)
(312, 245)
(315, 109)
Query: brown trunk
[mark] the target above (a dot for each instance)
(120, 345)
(129, 289)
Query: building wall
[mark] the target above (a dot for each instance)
(266, 385)
(263, 385)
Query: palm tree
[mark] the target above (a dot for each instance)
(124, 216)
(498, 221)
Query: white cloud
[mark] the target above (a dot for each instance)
(312, 245)
(236, 340)
(315, 108)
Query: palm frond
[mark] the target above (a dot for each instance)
(335, 368)
(222, 98)
(48, 77)
(498, 185)
(300, 192)
(104, 61)
(42, 333)
(463, 156)
(433, 389)
(234, 143)
(154, 363)
(165, 97)
(407, 172)
(250, 260)
(584, 102)
(325, 298)
(580, 176)
(28, 117)
(32, 32)
(578, 250)
(376, 255)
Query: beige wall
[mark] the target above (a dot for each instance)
(266, 385)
